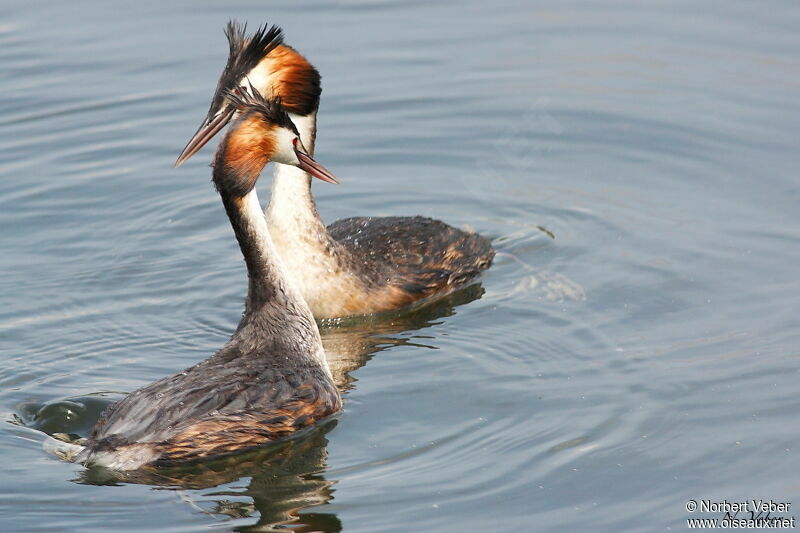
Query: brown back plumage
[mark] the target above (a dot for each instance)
(419, 256)
(228, 403)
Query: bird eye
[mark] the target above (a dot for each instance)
(294, 141)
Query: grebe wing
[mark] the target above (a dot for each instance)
(425, 256)
(214, 407)
(230, 431)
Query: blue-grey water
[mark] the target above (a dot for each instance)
(635, 345)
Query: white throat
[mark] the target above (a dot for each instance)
(291, 205)
(300, 236)
(295, 225)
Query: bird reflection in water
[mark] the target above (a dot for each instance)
(350, 342)
(285, 478)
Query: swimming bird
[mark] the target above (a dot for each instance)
(271, 379)
(355, 266)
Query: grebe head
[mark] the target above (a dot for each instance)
(262, 132)
(260, 63)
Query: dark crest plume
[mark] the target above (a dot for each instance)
(250, 101)
(244, 54)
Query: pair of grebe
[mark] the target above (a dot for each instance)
(355, 266)
(271, 379)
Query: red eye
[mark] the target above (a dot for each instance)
(294, 141)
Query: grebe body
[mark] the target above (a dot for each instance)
(271, 379)
(354, 266)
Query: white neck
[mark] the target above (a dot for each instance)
(292, 215)
(312, 257)
(291, 200)
(273, 299)
(267, 260)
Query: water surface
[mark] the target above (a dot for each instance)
(634, 346)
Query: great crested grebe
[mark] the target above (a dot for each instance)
(271, 379)
(355, 266)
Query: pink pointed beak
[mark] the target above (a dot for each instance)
(204, 134)
(308, 164)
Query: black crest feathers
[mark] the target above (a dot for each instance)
(250, 101)
(244, 54)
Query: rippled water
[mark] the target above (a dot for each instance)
(634, 346)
